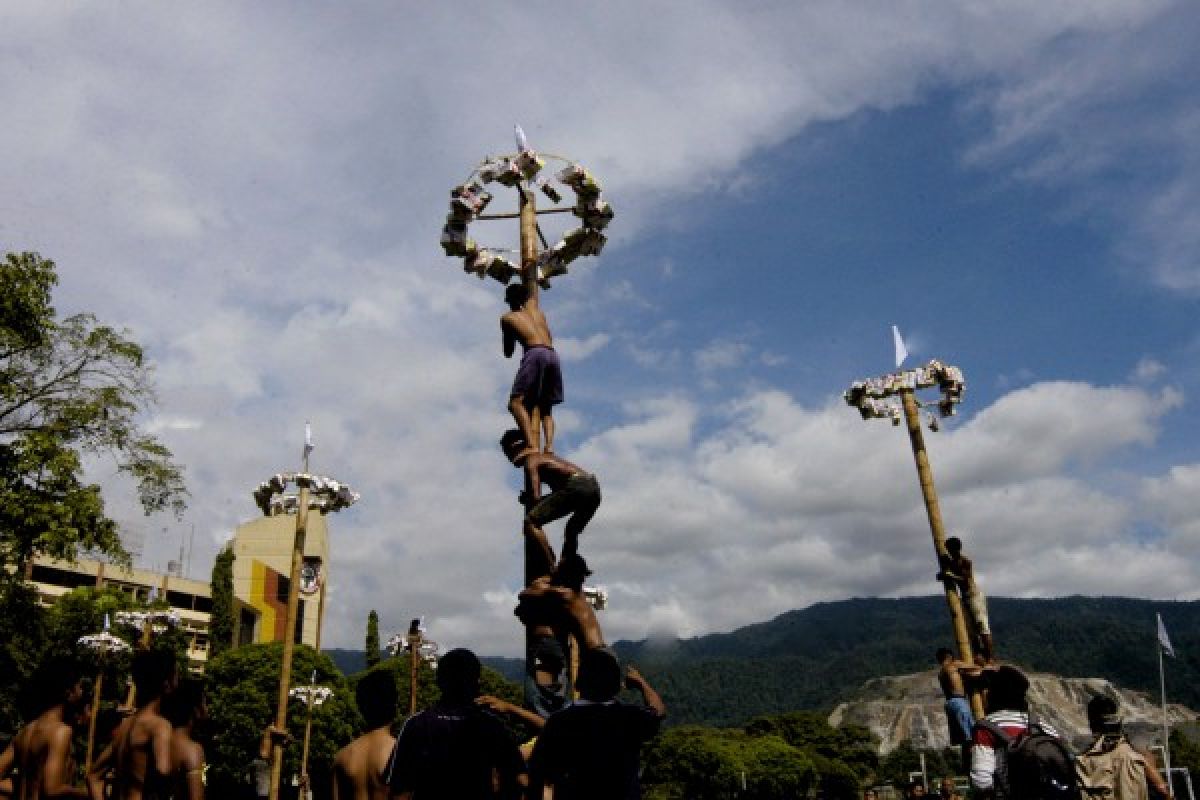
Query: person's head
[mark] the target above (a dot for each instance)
(943, 655)
(1006, 690)
(154, 674)
(377, 698)
(548, 656)
(57, 682)
(515, 295)
(916, 789)
(185, 703)
(571, 572)
(513, 444)
(1103, 715)
(458, 676)
(954, 545)
(599, 676)
(947, 787)
(870, 794)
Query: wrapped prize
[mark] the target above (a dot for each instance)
(595, 213)
(502, 270)
(549, 190)
(529, 163)
(455, 240)
(509, 174)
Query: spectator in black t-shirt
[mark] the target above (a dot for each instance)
(592, 748)
(457, 749)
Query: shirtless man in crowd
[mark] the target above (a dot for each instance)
(40, 753)
(558, 600)
(538, 386)
(185, 708)
(140, 754)
(358, 769)
(573, 491)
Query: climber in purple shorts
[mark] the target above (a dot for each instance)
(538, 386)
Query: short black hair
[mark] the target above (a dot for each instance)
(152, 670)
(1006, 690)
(572, 566)
(1103, 715)
(941, 654)
(954, 543)
(516, 293)
(599, 675)
(377, 698)
(179, 705)
(53, 680)
(458, 675)
(511, 437)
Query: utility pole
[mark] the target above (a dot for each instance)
(874, 400)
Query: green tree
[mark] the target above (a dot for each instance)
(372, 639)
(705, 763)
(68, 388)
(221, 624)
(243, 687)
(22, 634)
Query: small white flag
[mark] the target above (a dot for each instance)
(106, 623)
(308, 445)
(1163, 639)
(901, 350)
(522, 142)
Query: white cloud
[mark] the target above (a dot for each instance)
(257, 192)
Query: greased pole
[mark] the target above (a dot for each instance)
(285, 668)
(933, 509)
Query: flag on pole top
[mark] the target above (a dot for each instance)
(522, 142)
(308, 445)
(1163, 638)
(901, 350)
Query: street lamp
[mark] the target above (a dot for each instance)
(103, 644)
(316, 493)
(419, 649)
(312, 696)
(893, 396)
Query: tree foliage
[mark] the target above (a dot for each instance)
(372, 644)
(243, 688)
(68, 388)
(221, 623)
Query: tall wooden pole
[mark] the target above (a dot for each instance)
(304, 752)
(285, 667)
(414, 647)
(87, 761)
(925, 474)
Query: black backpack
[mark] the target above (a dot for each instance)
(1033, 765)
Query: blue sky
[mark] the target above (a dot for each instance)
(257, 193)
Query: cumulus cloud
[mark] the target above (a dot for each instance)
(256, 192)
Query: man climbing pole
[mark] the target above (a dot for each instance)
(960, 571)
(538, 386)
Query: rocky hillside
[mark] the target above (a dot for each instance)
(909, 707)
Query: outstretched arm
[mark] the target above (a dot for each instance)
(7, 759)
(100, 768)
(508, 335)
(501, 706)
(634, 680)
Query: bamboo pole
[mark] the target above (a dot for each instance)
(285, 667)
(933, 510)
(91, 740)
(414, 645)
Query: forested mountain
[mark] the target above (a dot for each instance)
(813, 658)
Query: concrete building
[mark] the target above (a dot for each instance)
(192, 599)
(262, 551)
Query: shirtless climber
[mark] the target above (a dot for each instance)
(959, 570)
(953, 676)
(538, 386)
(573, 491)
(558, 600)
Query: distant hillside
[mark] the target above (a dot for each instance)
(817, 657)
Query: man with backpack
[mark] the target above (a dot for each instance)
(1111, 767)
(1015, 756)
